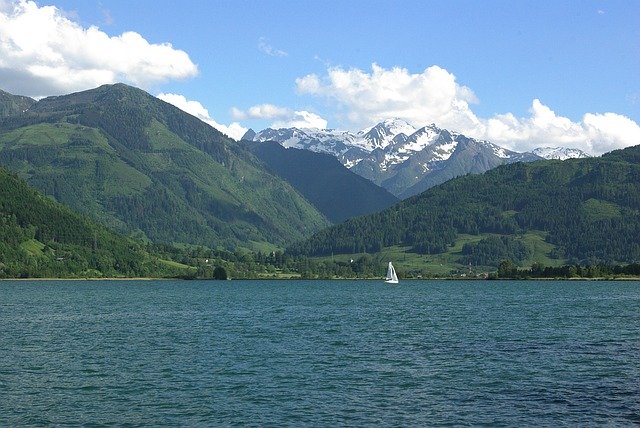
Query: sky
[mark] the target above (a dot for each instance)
(522, 74)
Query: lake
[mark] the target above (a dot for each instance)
(319, 353)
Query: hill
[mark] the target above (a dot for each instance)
(585, 210)
(142, 166)
(335, 191)
(42, 238)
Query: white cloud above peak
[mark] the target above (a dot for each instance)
(43, 52)
(283, 117)
(433, 95)
(595, 133)
(303, 120)
(260, 111)
(195, 108)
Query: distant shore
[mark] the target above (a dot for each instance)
(321, 279)
(85, 279)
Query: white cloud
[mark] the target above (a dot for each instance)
(261, 111)
(301, 119)
(431, 96)
(595, 134)
(43, 52)
(265, 47)
(282, 116)
(434, 96)
(610, 131)
(234, 130)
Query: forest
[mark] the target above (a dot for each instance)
(589, 210)
(42, 238)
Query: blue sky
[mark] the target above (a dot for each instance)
(519, 73)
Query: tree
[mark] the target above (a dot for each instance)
(219, 273)
(506, 269)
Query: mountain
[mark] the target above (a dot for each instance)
(430, 156)
(329, 141)
(40, 237)
(14, 104)
(334, 190)
(561, 153)
(587, 210)
(399, 157)
(383, 134)
(142, 166)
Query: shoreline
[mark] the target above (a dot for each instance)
(87, 279)
(320, 279)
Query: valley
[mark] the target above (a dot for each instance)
(189, 199)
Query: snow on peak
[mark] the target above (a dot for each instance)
(394, 141)
(560, 153)
(382, 134)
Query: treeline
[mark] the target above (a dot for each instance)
(507, 270)
(590, 209)
(274, 264)
(222, 264)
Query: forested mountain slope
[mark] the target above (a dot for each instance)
(144, 167)
(588, 208)
(40, 237)
(334, 190)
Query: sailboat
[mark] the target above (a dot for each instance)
(391, 278)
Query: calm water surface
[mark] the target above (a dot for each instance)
(316, 353)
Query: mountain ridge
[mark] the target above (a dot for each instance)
(14, 104)
(400, 157)
(144, 167)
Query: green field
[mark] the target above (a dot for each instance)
(33, 247)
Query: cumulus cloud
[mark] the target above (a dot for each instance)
(301, 119)
(367, 98)
(434, 96)
(266, 48)
(595, 133)
(284, 117)
(234, 130)
(43, 52)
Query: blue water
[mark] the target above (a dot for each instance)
(317, 353)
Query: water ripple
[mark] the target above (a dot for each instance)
(319, 353)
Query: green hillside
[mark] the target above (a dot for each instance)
(42, 238)
(580, 210)
(334, 190)
(143, 167)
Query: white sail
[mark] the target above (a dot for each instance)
(391, 278)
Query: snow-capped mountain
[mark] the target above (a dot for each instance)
(333, 141)
(383, 134)
(403, 159)
(317, 140)
(560, 153)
